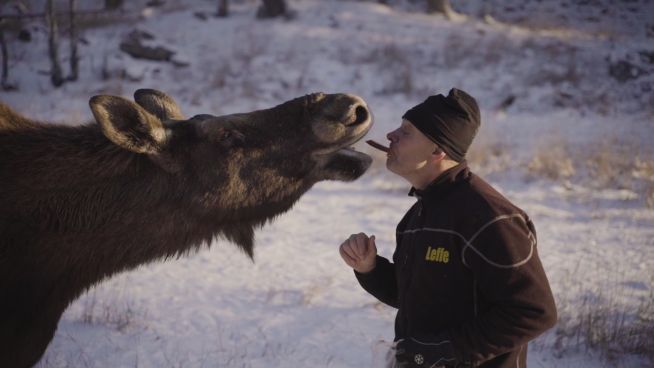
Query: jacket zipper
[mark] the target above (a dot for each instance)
(409, 257)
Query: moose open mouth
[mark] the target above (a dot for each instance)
(341, 161)
(359, 130)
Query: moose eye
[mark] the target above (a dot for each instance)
(229, 137)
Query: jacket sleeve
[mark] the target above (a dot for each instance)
(509, 276)
(380, 282)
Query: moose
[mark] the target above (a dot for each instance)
(142, 183)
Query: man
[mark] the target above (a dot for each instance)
(466, 278)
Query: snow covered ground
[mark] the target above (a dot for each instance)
(567, 106)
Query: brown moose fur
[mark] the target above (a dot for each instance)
(81, 203)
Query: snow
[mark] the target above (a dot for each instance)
(298, 304)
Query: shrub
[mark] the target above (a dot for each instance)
(553, 162)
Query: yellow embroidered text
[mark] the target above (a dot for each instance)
(437, 255)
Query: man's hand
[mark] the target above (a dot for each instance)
(359, 252)
(425, 351)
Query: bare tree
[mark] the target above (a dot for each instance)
(272, 8)
(55, 71)
(223, 8)
(23, 35)
(4, 81)
(74, 58)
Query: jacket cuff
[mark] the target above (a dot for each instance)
(371, 274)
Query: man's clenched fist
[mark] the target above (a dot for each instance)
(359, 252)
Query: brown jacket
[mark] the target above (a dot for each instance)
(466, 266)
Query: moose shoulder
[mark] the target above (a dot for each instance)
(80, 203)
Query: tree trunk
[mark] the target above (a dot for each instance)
(5, 61)
(74, 58)
(4, 53)
(112, 4)
(223, 8)
(272, 8)
(440, 7)
(55, 71)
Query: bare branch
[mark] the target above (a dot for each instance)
(4, 81)
(55, 71)
(74, 58)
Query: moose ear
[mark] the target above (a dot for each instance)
(128, 125)
(159, 104)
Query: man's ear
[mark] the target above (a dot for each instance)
(158, 104)
(438, 154)
(128, 125)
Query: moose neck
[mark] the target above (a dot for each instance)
(114, 209)
(104, 208)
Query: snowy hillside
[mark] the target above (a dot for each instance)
(567, 96)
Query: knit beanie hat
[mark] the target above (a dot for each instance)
(451, 122)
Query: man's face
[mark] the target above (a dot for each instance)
(410, 150)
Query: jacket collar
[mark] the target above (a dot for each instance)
(444, 182)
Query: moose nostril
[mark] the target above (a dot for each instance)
(361, 114)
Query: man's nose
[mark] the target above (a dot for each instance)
(391, 136)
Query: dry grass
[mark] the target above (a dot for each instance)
(615, 164)
(643, 170)
(487, 157)
(117, 314)
(552, 162)
(602, 324)
(612, 320)
(609, 163)
(649, 195)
